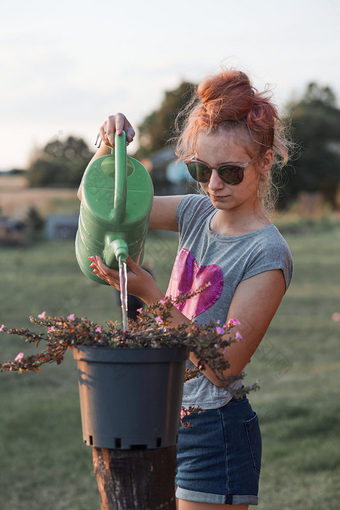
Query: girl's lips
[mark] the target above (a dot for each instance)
(219, 197)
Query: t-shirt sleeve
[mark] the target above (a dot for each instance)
(271, 255)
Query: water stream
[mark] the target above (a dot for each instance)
(123, 293)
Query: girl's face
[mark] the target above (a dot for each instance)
(221, 147)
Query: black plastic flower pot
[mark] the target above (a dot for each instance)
(130, 398)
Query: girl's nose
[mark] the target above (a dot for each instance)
(215, 181)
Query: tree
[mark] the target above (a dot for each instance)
(158, 127)
(315, 125)
(60, 163)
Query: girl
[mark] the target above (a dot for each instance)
(231, 138)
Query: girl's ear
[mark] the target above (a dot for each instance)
(266, 162)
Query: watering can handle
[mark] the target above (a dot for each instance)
(117, 249)
(119, 203)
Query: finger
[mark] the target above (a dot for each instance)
(130, 132)
(132, 265)
(111, 129)
(109, 278)
(99, 275)
(111, 275)
(96, 268)
(96, 271)
(121, 121)
(103, 134)
(98, 141)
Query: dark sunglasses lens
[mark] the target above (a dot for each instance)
(199, 171)
(231, 174)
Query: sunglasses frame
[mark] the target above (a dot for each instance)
(242, 166)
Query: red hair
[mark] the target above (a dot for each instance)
(228, 100)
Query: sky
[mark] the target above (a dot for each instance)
(68, 64)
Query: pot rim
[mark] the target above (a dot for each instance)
(95, 353)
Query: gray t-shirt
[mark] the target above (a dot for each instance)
(222, 261)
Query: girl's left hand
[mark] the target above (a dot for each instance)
(140, 283)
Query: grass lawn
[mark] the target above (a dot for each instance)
(43, 461)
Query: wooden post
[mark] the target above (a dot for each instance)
(136, 479)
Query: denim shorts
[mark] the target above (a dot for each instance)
(219, 455)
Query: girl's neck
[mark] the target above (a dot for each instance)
(232, 222)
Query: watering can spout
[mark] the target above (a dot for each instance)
(114, 249)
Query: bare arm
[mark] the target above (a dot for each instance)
(163, 213)
(254, 304)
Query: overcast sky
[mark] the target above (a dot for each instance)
(67, 64)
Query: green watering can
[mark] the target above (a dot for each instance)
(114, 212)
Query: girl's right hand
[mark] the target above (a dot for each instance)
(140, 282)
(116, 124)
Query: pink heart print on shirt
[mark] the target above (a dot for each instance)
(187, 276)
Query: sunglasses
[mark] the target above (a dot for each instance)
(230, 173)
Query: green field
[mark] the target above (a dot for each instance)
(43, 461)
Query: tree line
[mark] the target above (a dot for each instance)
(314, 122)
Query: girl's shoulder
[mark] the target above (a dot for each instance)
(267, 242)
(271, 238)
(269, 250)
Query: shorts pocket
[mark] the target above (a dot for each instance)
(254, 441)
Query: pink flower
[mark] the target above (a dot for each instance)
(139, 310)
(216, 346)
(52, 328)
(336, 317)
(42, 315)
(70, 317)
(238, 335)
(2, 327)
(19, 356)
(98, 330)
(233, 322)
(158, 320)
(219, 330)
(183, 414)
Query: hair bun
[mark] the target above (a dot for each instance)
(227, 96)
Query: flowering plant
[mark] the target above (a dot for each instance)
(151, 329)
